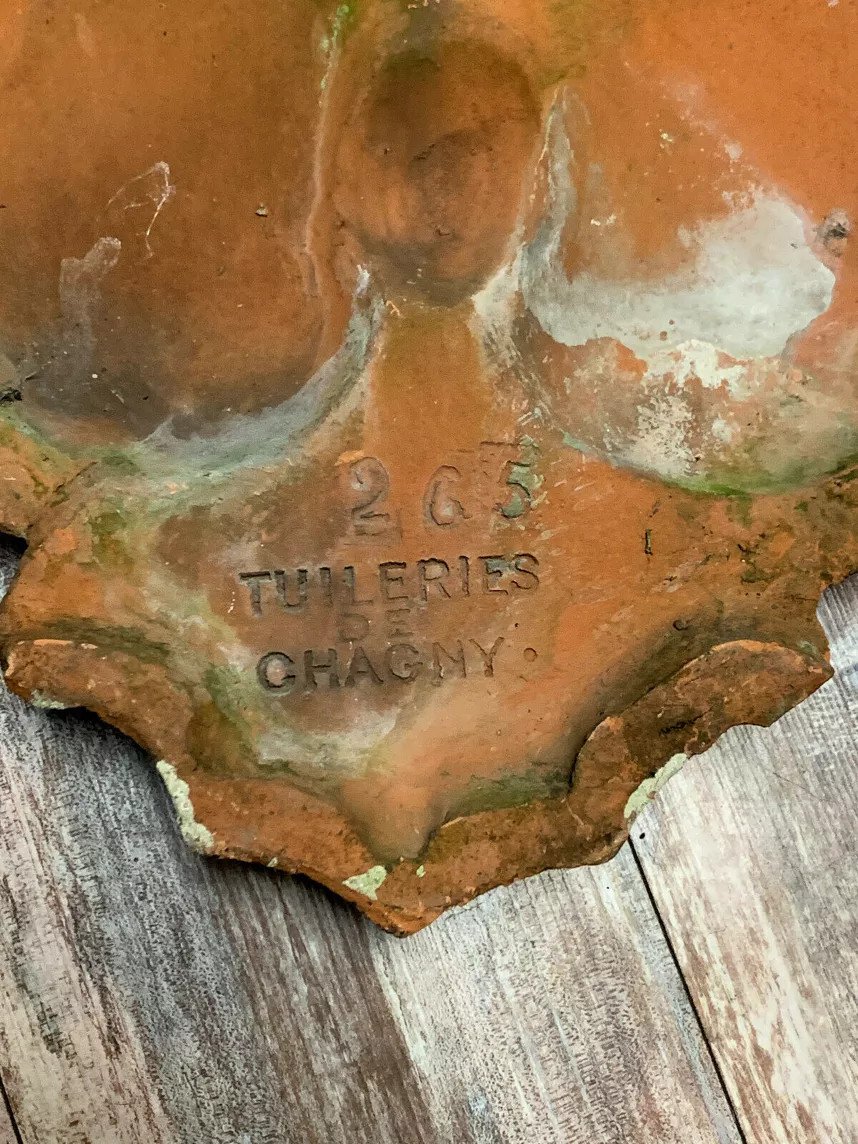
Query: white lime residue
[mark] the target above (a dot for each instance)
(662, 433)
(708, 336)
(722, 431)
(80, 293)
(367, 884)
(151, 188)
(752, 284)
(494, 310)
(348, 752)
(281, 434)
(701, 361)
(197, 836)
(8, 371)
(649, 788)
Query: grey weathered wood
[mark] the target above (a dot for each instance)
(554, 1012)
(7, 1132)
(752, 856)
(149, 995)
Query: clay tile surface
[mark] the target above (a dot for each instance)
(431, 422)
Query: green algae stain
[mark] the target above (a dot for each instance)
(110, 540)
(341, 24)
(523, 480)
(740, 509)
(112, 638)
(515, 790)
(119, 462)
(747, 476)
(229, 690)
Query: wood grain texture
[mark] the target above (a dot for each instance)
(554, 1012)
(7, 1130)
(147, 994)
(752, 857)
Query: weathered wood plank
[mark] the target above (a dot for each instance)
(7, 1131)
(554, 1012)
(70, 1063)
(150, 995)
(752, 856)
(147, 995)
(161, 997)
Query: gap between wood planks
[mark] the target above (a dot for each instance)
(9, 1133)
(691, 1003)
(750, 857)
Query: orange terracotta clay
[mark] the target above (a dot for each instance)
(429, 421)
